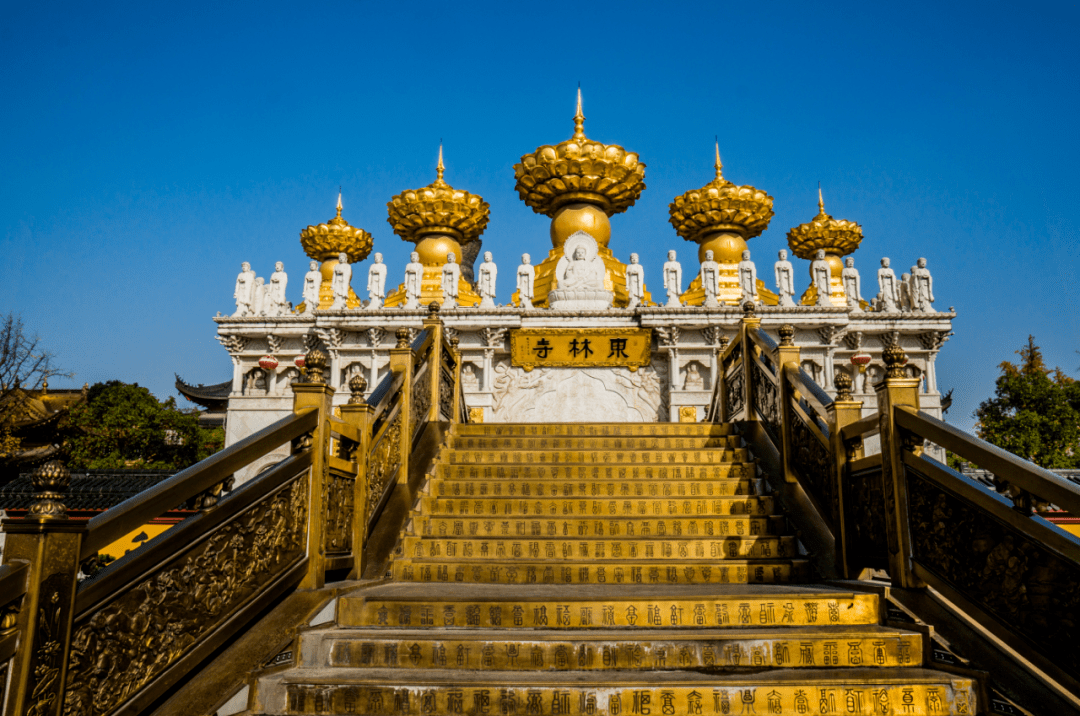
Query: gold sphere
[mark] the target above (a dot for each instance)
(580, 217)
(727, 247)
(433, 249)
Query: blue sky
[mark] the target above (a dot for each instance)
(148, 148)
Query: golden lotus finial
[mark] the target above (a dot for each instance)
(323, 242)
(579, 117)
(834, 236)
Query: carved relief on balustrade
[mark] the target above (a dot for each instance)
(766, 402)
(813, 462)
(383, 461)
(1013, 576)
(421, 400)
(446, 393)
(127, 642)
(339, 513)
(864, 519)
(735, 392)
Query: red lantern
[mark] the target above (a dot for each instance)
(299, 361)
(861, 360)
(268, 363)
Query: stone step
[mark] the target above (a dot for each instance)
(567, 650)
(610, 605)
(574, 551)
(594, 429)
(733, 470)
(596, 507)
(911, 692)
(599, 458)
(599, 488)
(543, 442)
(681, 571)
(723, 526)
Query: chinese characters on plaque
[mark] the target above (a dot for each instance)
(567, 347)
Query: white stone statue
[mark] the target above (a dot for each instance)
(414, 277)
(785, 280)
(244, 293)
(673, 280)
(258, 297)
(907, 293)
(748, 279)
(635, 282)
(451, 275)
(485, 281)
(469, 379)
(822, 272)
(312, 284)
(278, 305)
(693, 381)
(923, 285)
(888, 298)
(526, 277)
(376, 283)
(342, 279)
(852, 284)
(710, 280)
(580, 274)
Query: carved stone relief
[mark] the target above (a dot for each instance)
(580, 394)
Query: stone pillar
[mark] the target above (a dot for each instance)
(489, 369)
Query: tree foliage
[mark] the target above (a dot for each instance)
(123, 426)
(24, 366)
(1035, 412)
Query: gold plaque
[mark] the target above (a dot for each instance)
(476, 415)
(581, 347)
(688, 414)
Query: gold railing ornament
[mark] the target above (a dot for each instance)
(402, 335)
(357, 386)
(895, 358)
(787, 335)
(843, 384)
(50, 480)
(315, 366)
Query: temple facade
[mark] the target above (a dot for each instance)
(579, 184)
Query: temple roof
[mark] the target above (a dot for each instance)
(212, 397)
(93, 490)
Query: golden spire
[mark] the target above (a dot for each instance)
(579, 118)
(339, 202)
(719, 164)
(820, 201)
(440, 168)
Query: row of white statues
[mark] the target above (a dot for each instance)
(912, 292)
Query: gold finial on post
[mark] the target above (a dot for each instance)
(314, 365)
(357, 386)
(579, 117)
(894, 358)
(787, 335)
(50, 481)
(402, 335)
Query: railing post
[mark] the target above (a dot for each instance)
(315, 394)
(895, 390)
(401, 361)
(51, 543)
(750, 323)
(786, 353)
(434, 325)
(358, 414)
(455, 416)
(843, 411)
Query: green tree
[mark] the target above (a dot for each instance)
(1035, 412)
(123, 426)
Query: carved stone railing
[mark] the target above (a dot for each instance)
(116, 642)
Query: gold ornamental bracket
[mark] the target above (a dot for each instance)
(581, 347)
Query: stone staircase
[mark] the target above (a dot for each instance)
(605, 570)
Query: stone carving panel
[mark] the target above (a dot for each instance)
(562, 395)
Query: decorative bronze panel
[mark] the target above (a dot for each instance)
(736, 391)
(446, 394)
(813, 462)
(339, 514)
(864, 520)
(126, 643)
(766, 402)
(1010, 574)
(421, 401)
(383, 461)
